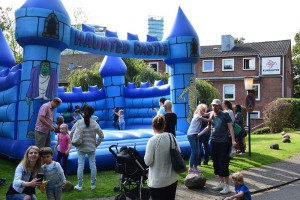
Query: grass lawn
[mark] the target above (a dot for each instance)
(106, 180)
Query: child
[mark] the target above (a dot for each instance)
(59, 121)
(77, 114)
(53, 173)
(64, 143)
(116, 118)
(121, 119)
(241, 190)
(192, 135)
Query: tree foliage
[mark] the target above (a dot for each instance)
(8, 27)
(296, 65)
(85, 77)
(240, 40)
(206, 91)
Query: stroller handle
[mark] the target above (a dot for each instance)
(113, 152)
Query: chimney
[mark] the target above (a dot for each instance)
(227, 42)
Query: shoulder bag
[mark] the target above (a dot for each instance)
(77, 136)
(178, 163)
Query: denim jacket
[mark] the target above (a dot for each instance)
(21, 175)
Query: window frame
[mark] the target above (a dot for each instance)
(244, 63)
(257, 98)
(150, 65)
(229, 99)
(213, 66)
(227, 70)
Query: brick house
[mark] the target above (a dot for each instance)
(269, 63)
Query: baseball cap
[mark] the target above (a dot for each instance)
(216, 102)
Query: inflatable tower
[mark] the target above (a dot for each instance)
(43, 30)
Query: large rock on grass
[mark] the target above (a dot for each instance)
(274, 146)
(195, 181)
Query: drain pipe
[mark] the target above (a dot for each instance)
(282, 76)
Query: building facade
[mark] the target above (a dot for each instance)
(156, 26)
(269, 63)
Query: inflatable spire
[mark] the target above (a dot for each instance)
(7, 58)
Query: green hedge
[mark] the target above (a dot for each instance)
(295, 115)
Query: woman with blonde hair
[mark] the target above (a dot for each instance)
(162, 179)
(25, 180)
(192, 135)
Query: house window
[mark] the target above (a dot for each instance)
(227, 64)
(255, 115)
(154, 65)
(249, 63)
(207, 65)
(256, 88)
(229, 92)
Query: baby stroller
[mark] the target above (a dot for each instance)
(133, 173)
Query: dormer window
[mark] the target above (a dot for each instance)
(51, 27)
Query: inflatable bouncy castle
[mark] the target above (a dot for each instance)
(43, 29)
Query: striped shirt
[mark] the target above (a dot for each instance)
(46, 110)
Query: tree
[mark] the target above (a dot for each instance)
(240, 40)
(296, 65)
(205, 91)
(85, 77)
(8, 27)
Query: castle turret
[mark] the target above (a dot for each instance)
(7, 59)
(113, 70)
(185, 52)
(43, 30)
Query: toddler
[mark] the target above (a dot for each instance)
(53, 173)
(64, 143)
(116, 118)
(121, 120)
(241, 190)
(59, 121)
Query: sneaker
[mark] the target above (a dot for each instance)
(241, 154)
(225, 190)
(93, 187)
(198, 171)
(77, 187)
(219, 187)
(191, 171)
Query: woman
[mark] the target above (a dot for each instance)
(25, 180)
(162, 179)
(88, 147)
(192, 135)
(240, 121)
(227, 107)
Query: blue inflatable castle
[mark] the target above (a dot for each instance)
(43, 29)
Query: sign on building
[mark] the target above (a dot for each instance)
(270, 65)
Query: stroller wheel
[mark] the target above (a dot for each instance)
(120, 197)
(117, 189)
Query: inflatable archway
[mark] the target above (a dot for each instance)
(43, 29)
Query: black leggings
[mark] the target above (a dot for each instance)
(165, 193)
(221, 158)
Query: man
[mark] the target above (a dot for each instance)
(44, 123)
(220, 126)
(171, 118)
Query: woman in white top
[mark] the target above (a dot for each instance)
(162, 179)
(227, 107)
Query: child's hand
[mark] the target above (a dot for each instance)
(63, 186)
(67, 152)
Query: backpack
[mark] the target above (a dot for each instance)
(77, 136)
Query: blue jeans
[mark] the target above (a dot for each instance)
(122, 126)
(204, 147)
(240, 137)
(194, 143)
(92, 162)
(20, 197)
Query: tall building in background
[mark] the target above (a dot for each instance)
(156, 26)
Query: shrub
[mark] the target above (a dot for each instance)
(295, 115)
(263, 130)
(277, 115)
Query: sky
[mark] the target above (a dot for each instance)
(255, 20)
